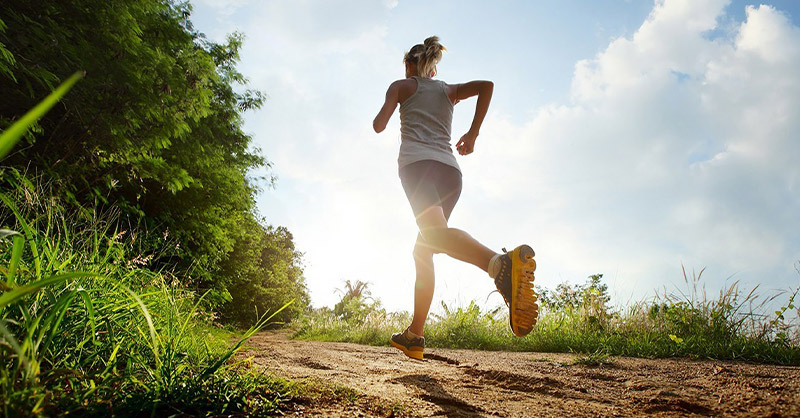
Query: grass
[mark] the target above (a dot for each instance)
(689, 323)
(87, 330)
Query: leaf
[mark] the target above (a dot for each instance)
(7, 233)
(12, 135)
(16, 255)
(29, 232)
(14, 295)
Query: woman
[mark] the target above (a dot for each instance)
(431, 178)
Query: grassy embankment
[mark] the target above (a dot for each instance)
(87, 329)
(579, 319)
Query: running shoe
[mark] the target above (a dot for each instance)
(515, 283)
(412, 347)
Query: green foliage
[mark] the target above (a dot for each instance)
(579, 319)
(85, 331)
(270, 275)
(153, 130)
(778, 325)
(147, 169)
(566, 296)
(356, 317)
(356, 303)
(14, 133)
(589, 301)
(6, 57)
(457, 328)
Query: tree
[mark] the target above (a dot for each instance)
(155, 128)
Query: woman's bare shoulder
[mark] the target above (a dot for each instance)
(404, 83)
(405, 88)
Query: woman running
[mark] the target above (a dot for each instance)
(431, 179)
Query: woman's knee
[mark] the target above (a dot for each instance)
(436, 237)
(423, 252)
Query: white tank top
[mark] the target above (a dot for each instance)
(425, 124)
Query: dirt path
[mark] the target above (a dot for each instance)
(486, 383)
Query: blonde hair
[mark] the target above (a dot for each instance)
(425, 55)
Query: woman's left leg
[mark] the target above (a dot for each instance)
(423, 287)
(433, 189)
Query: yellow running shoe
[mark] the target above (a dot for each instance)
(515, 283)
(412, 347)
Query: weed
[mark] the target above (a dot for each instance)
(83, 332)
(579, 319)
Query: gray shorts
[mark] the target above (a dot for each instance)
(429, 183)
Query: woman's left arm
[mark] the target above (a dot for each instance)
(389, 105)
(483, 89)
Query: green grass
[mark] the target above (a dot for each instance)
(687, 324)
(85, 329)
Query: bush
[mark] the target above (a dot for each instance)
(86, 328)
(578, 318)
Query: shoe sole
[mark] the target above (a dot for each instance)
(417, 355)
(524, 309)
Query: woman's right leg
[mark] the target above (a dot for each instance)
(440, 238)
(433, 189)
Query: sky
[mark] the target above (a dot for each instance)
(630, 138)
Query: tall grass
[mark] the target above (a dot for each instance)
(86, 328)
(686, 323)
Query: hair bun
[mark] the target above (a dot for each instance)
(425, 56)
(429, 54)
(432, 46)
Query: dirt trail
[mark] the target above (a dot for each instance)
(486, 383)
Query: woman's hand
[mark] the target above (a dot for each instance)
(482, 89)
(466, 144)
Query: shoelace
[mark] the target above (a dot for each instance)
(502, 269)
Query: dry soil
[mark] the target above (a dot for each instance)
(488, 383)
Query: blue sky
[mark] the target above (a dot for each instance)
(626, 138)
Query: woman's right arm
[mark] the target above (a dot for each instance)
(483, 89)
(389, 105)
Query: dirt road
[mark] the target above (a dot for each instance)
(486, 383)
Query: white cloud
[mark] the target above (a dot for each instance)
(675, 148)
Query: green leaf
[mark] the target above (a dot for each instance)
(87, 301)
(29, 232)
(16, 255)
(16, 294)
(7, 233)
(12, 135)
(249, 333)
